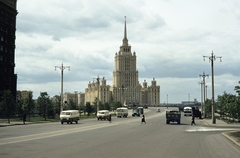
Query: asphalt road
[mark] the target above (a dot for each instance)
(124, 137)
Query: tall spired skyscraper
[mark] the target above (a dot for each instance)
(126, 87)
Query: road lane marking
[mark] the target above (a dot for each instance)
(206, 129)
(50, 134)
(68, 131)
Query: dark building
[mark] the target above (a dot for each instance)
(8, 13)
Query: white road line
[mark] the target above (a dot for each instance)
(50, 134)
(205, 129)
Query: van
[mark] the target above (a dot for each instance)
(69, 116)
(103, 115)
(122, 112)
(187, 111)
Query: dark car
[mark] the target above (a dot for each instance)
(135, 112)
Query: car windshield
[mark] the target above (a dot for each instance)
(66, 113)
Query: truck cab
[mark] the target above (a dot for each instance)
(173, 116)
(187, 111)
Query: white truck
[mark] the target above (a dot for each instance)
(103, 115)
(122, 112)
(69, 116)
(187, 111)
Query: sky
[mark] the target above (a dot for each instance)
(170, 38)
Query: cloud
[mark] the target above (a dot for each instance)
(169, 38)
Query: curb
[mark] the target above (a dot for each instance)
(230, 138)
(26, 123)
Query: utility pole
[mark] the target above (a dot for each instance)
(123, 94)
(212, 58)
(167, 99)
(189, 98)
(62, 68)
(204, 99)
(206, 91)
(76, 98)
(201, 83)
(98, 98)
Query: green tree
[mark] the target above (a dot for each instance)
(237, 89)
(45, 105)
(28, 105)
(107, 106)
(19, 109)
(115, 105)
(57, 104)
(208, 108)
(89, 108)
(72, 105)
(7, 105)
(95, 104)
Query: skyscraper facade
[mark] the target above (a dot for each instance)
(126, 87)
(8, 13)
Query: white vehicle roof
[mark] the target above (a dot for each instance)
(103, 111)
(187, 108)
(122, 108)
(70, 111)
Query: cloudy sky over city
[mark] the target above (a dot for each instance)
(169, 37)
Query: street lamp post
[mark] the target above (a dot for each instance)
(206, 91)
(62, 68)
(167, 99)
(188, 98)
(201, 83)
(123, 96)
(212, 58)
(204, 99)
(76, 98)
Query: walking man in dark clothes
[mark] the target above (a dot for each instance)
(193, 120)
(110, 118)
(24, 118)
(143, 119)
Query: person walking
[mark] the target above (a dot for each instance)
(143, 119)
(24, 117)
(193, 120)
(110, 118)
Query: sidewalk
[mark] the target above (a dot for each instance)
(234, 135)
(14, 123)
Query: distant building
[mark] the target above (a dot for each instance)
(23, 94)
(191, 103)
(77, 98)
(126, 87)
(98, 90)
(8, 13)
